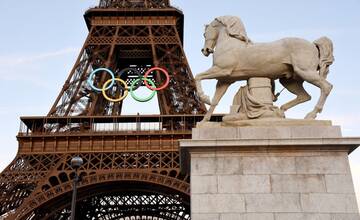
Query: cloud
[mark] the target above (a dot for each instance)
(38, 69)
(15, 60)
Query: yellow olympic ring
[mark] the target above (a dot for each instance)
(119, 99)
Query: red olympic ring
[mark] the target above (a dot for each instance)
(163, 86)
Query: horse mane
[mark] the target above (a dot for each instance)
(235, 27)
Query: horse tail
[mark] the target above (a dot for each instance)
(325, 47)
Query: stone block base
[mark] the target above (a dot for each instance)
(276, 176)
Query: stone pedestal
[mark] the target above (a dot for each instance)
(270, 173)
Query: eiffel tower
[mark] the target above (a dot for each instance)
(131, 166)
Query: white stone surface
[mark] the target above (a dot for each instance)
(204, 184)
(244, 184)
(355, 216)
(323, 165)
(312, 216)
(298, 183)
(205, 216)
(231, 216)
(268, 165)
(203, 166)
(217, 203)
(302, 216)
(248, 216)
(275, 202)
(306, 178)
(228, 165)
(274, 132)
(339, 184)
(329, 203)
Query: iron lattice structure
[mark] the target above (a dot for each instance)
(131, 164)
(140, 34)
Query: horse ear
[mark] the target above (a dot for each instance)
(235, 27)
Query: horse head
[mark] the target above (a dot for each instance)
(234, 27)
(211, 34)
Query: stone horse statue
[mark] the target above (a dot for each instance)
(291, 60)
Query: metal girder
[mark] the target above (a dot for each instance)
(134, 3)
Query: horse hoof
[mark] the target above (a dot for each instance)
(280, 113)
(204, 98)
(202, 123)
(206, 119)
(283, 108)
(310, 116)
(207, 100)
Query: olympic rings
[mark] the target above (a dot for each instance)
(91, 84)
(132, 70)
(121, 97)
(144, 99)
(135, 84)
(163, 86)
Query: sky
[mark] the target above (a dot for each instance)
(40, 41)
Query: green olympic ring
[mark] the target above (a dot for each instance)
(132, 86)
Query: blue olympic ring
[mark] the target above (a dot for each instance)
(91, 84)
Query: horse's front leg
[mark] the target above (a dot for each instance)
(211, 73)
(221, 88)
